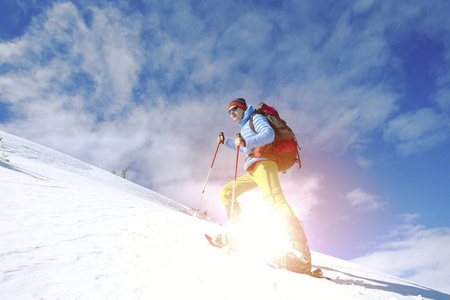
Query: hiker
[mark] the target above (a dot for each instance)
(262, 173)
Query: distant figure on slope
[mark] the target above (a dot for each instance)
(262, 173)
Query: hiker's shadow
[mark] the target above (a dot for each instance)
(402, 289)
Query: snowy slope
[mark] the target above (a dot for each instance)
(72, 231)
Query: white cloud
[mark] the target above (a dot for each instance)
(43, 85)
(302, 193)
(56, 47)
(417, 131)
(364, 163)
(442, 98)
(334, 119)
(362, 6)
(415, 253)
(9, 49)
(364, 201)
(410, 218)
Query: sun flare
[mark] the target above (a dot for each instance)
(260, 231)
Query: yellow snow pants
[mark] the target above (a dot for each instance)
(265, 176)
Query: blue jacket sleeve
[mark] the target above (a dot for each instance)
(230, 144)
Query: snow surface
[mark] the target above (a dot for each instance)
(73, 231)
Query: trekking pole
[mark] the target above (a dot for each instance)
(234, 183)
(229, 236)
(207, 177)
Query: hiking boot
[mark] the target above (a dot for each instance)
(296, 259)
(221, 239)
(224, 240)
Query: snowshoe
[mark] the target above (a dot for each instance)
(222, 240)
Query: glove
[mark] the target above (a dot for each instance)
(221, 139)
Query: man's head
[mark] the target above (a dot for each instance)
(236, 109)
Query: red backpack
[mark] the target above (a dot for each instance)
(284, 149)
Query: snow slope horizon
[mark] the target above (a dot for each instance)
(70, 230)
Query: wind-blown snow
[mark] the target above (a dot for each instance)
(72, 231)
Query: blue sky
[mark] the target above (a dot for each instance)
(364, 84)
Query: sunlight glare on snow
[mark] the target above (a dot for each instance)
(260, 230)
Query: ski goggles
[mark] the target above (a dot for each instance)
(234, 108)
